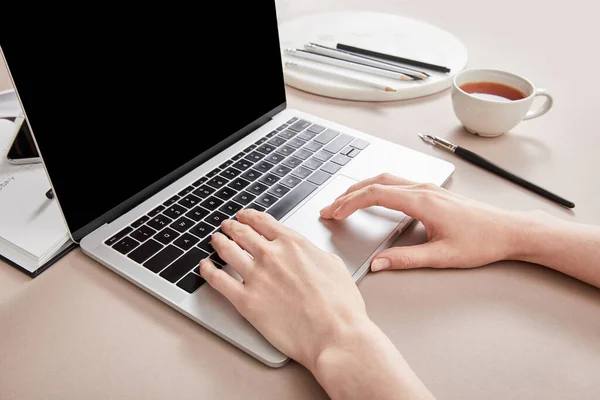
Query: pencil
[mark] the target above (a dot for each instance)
(348, 64)
(331, 52)
(319, 71)
(389, 57)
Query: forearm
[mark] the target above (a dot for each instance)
(364, 364)
(570, 248)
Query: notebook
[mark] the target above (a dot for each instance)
(33, 234)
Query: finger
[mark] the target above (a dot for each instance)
(431, 254)
(231, 253)
(244, 235)
(221, 281)
(394, 197)
(262, 223)
(382, 179)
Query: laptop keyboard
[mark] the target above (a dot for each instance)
(273, 175)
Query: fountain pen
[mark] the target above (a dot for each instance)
(488, 165)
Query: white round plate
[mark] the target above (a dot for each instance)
(384, 33)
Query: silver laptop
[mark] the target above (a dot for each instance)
(154, 128)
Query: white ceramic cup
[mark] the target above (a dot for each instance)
(491, 117)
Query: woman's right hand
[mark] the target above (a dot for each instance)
(462, 233)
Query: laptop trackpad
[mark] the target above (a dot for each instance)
(353, 239)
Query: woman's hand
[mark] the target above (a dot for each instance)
(462, 233)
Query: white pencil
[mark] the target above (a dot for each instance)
(335, 53)
(347, 64)
(312, 69)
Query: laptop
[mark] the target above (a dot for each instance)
(156, 125)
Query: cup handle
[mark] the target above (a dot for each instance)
(544, 108)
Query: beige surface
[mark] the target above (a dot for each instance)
(506, 331)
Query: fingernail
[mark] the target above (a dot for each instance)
(336, 213)
(323, 210)
(379, 264)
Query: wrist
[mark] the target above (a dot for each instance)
(532, 234)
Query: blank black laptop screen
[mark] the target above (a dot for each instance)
(119, 99)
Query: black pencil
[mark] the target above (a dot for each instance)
(389, 57)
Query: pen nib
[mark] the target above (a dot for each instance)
(427, 138)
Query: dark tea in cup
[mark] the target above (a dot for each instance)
(493, 91)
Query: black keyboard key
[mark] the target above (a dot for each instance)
(230, 208)
(331, 168)
(268, 179)
(338, 143)
(190, 201)
(276, 141)
(145, 251)
(256, 188)
(155, 211)
(273, 133)
(213, 173)
(216, 218)
(114, 238)
(286, 150)
(313, 163)
(174, 211)
(340, 159)
(244, 198)
(255, 206)
(204, 191)
(291, 121)
(186, 191)
(281, 170)
(163, 258)
(143, 233)
(219, 262)
(249, 148)
(323, 155)
(295, 142)
(143, 219)
(281, 127)
(217, 182)
(201, 229)
(260, 141)
(230, 173)
(226, 164)
(312, 146)
(226, 193)
(186, 241)
(200, 181)
(306, 136)
(183, 265)
(182, 224)
(159, 222)
(290, 181)
(293, 198)
(251, 175)
(302, 172)
(299, 125)
(237, 156)
(302, 154)
(359, 144)
(166, 236)
(275, 158)
(171, 201)
(326, 137)
(191, 282)
(318, 177)
(287, 134)
(353, 153)
(254, 156)
(263, 166)
(205, 245)
(125, 245)
(278, 190)
(211, 203)
(239, 183)
(292, 162)
(266, 148)
(316, 128)
(242, 164)
(197, 213)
